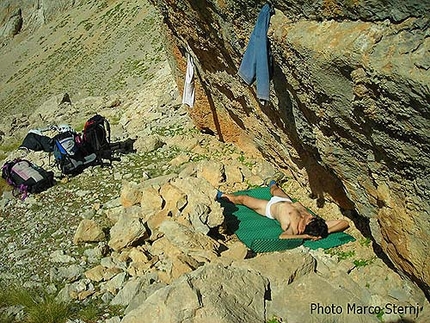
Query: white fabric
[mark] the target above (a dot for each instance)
(274, 200)
(188, 95)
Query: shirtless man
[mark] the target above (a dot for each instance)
(296, 222)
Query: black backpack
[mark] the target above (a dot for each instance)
(69, 155)
(26, 177)
(96, 138)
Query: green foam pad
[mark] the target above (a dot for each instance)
(332, 240)
(261, 234)
(274, 244)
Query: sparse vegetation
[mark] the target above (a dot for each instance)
(35, 305)
(365, 242)
(363, 262)
(274, 319)
(341, 255)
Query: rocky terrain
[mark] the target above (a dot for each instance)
(129, 235)
(144, 240)
(349, 104)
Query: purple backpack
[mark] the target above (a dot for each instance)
(26, 177)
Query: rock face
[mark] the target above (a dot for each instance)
(13, 25)
(30, 14)
(192, 298)
(349, 108)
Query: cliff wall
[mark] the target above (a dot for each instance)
(30, 13)
(349, 109)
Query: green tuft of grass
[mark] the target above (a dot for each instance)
(90, 313)
(274, 319)
(341, 255)
(365, 242)
(363, 262)
(38, 306)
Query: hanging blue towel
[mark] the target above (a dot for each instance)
(255, 61)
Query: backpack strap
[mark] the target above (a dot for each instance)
(107, 125)
(23, 190)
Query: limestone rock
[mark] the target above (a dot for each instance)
(186, 239)
(80, 290)
(96, 274)
(143, 294)
(205, 296)
(201, 209)
(130, 194)
(128, 292)
(233, 174)
(199, 218)
(284, 267)
(235, 251)
(115, 284)
(151, 202)
(148, 144)
(70, 273)
(61, 257)
(13, 25)
(174, 199)
(211, 171)
(88, 231)
(141, 262)
(126, 231)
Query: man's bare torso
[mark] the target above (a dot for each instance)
(289, 215)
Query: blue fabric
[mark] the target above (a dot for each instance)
(255, 61)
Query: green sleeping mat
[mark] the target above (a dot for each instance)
(260, 233)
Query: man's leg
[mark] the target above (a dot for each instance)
(258, 205)
(275, 190)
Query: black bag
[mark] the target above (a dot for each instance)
(38, 142)
(96, 138)
(70, 157)
(26, 177)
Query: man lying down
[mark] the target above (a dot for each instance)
(295, 220)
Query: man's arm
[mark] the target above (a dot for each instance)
(337, 225)
(285, 235)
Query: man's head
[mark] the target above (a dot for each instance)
(316, 227)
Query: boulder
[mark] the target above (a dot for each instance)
(201, 210)
(212, 293)
(115, 284)
(187, 239)
(128, 292)
(211, 171)
(148, 143)
(233, 173)
(13, 25)
(88, 231)
(235, 251)
(281, 269)
(96, 273)
(126, 231)
(130, 194)
(151, 202)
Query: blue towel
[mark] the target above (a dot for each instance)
(255, 61)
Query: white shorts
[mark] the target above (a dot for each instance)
(274, 200)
